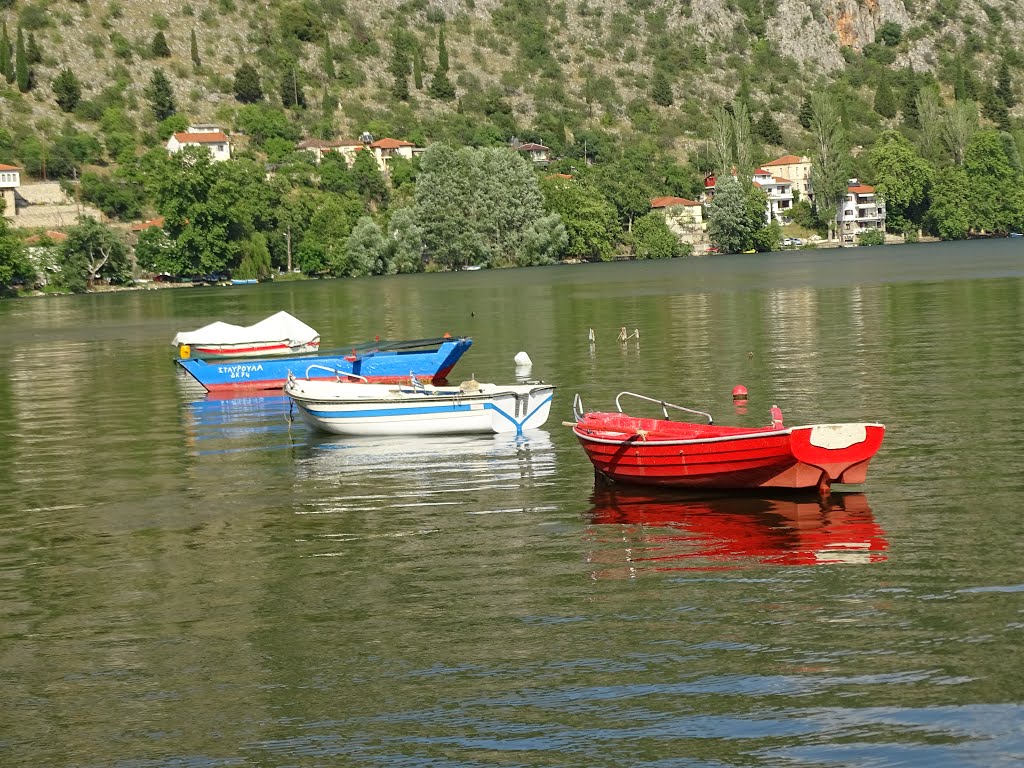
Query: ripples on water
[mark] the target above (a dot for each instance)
(188, 581)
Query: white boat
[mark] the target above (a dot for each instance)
(356, 408)
(279, 334)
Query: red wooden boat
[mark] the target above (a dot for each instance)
(650, 529)
(681, 454)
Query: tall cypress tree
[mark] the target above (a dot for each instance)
(329, 59)
(35, 55)
(6, 63)
(21, 64)
(661, 89)
(194, 50)
(1004, 88)
(159, 45)
(161, 95)
(885, 100)
(440, 86)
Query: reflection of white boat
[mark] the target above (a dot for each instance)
(279, 334)
(352, 408)
(397, 470)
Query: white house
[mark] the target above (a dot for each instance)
(215, 141)
(536, 153)
(859, 212)
(780, 195)
(681, 215)
(10, 180)
(779, 191)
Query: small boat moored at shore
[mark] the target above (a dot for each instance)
(414, 408)
(680, 454)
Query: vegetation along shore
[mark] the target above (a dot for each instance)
(245, 138)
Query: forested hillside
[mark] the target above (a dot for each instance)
(635, 99)
(534, 69)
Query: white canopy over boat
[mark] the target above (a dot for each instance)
(277, 327)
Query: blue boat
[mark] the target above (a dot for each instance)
(377, 361)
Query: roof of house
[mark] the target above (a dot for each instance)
(560, 176)
(157, 222)
(531, 147)
(667, 202)
(52, 234)
(391, 143)
(785, 160)
(216, 137)
(9, 167)
(861, 189)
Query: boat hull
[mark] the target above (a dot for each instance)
(250, 349)
(379, 366)
(381, 410)
(680, 455)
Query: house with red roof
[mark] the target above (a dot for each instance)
(797, 170)
(321, 147)
(681, 215)
(859, 212)
(10, 180)
(535, 153)
(385, 149)
(206, 136)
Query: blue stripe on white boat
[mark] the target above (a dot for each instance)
(385, 412)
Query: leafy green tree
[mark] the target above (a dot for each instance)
(871, 237)
(255, 261)
(661, 89)
(247, 87)
(335, 175)
(160, 95)
(99, 250)
(768, 130)
(366, 250)
(959, 125)
(652, 239)
(544, 240)
(885, 99)
(6, 53)
(322, 250)
(156, 253)
(510, 209)
(591, 224)
(732, 220)
(902, 178)
(261, 122)
(890, 33)
(369, 181)
(930, 116)
(447, 209)
(831, 157)
(405, 242)
(194, 49)
(626, 188)
(158, 47)
(15, 267)
(21, 72)
(115, 198)
(67, 90)
(994, 194)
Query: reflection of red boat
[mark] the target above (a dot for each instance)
(680, 454)
(663, 531)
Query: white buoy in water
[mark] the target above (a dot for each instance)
(523, 359)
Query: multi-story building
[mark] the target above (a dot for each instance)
(859, 212)
(797, 170)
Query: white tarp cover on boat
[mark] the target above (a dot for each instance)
(278, 327)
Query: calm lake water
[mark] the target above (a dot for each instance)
(193, 582)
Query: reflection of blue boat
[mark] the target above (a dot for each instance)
(251, 281)
(379, 361)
